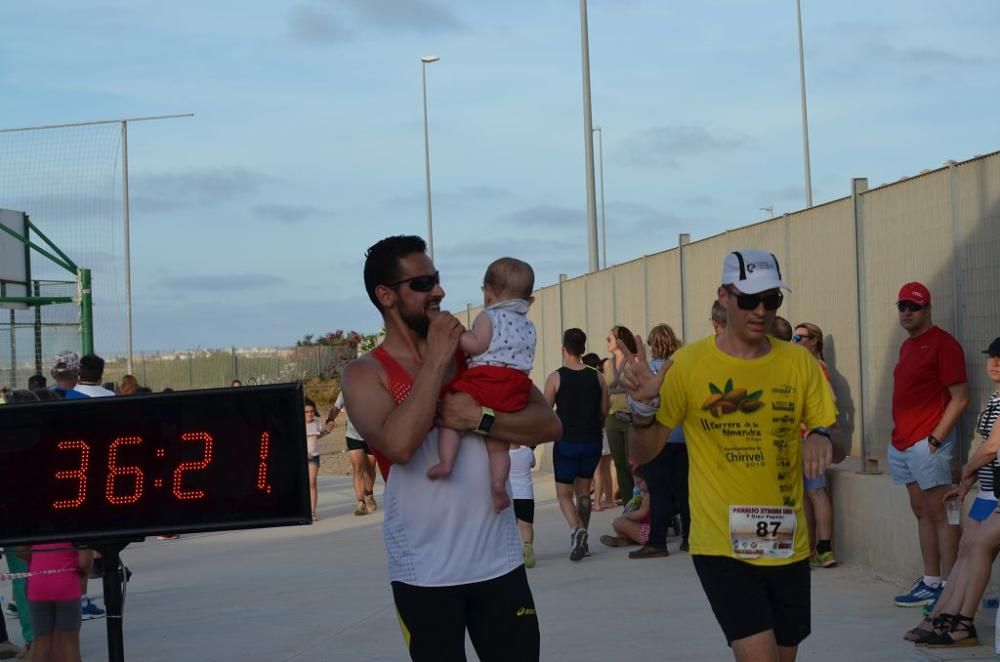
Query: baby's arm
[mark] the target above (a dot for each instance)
(476, 340)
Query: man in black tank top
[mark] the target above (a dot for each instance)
(580, 397)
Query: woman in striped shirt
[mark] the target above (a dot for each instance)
(950, 623)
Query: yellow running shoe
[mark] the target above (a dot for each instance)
(529, 555)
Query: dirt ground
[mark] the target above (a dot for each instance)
(333, 460)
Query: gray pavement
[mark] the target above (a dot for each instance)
(321, 593)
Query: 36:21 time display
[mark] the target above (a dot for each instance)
(125, 484)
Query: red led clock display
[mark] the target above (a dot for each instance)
(139, 465)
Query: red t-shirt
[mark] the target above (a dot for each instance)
(928, 365)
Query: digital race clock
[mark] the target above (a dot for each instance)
(132, 466)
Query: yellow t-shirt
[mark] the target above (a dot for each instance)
(741, 421)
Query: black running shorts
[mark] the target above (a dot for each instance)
(748, 599)
(357, 445)
(524, 510)
(498, 613)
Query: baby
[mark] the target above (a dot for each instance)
(501, 344)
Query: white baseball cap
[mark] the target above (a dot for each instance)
(752, 272)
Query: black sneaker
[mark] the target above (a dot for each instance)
(579, 538)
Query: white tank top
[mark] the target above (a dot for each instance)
(513, 341)
(445, 532)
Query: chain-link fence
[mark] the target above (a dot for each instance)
(213, 368)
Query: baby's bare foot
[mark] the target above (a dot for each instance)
(440, 470)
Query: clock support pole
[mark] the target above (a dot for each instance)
(113, 597)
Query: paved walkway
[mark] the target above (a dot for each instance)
(321, 593)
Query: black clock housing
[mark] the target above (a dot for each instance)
(131, 466)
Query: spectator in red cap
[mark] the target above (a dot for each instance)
(930, 392)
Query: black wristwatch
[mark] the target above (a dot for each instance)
(486, 421)
(933, 441)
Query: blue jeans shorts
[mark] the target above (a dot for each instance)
(918, 464)
(817, 482)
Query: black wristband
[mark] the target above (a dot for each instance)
(933, 441)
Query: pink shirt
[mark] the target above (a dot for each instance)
(57, 586)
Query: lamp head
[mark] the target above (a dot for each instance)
(427, 59)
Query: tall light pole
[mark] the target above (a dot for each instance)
(588, 142)
(604, 213)
(424, 61)
(805, 114)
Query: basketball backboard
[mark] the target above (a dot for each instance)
(14, 268)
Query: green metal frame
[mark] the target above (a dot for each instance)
(54, 254)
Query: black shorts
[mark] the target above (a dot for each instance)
(357, 445)
(498, 613)
(748, 599)
(574, 459)
(314, 460)
(524, 510)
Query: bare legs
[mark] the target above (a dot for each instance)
(499, 471)
(572, 509)
(938, 539)
(629, 529)
(604, 488)
(448, 441)
(313, 487)
(363, 473)
(762, 647)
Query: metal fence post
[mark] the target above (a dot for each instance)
(958, 309)
(86, 312)
(236, 366)
(682, 240)
(562, 305)
(645, 294)
(190, 370)
(863, 414)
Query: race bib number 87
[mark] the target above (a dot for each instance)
(762, 531)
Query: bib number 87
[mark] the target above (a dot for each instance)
(768, 529)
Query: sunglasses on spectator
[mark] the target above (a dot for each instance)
(751, 301)
(799, 337)
(420, 283)
(908, 305)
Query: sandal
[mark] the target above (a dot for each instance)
(920, 635)
(615, 541)
(961, 624)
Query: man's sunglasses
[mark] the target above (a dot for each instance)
(420, 283)
(798, 337)
(908, 305)
(751, 301)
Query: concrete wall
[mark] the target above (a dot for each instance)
(942, 228)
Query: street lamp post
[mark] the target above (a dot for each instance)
(424, 61)
(604, 213)
(805, 115)
(588, 142)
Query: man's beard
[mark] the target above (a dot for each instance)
(417, 322)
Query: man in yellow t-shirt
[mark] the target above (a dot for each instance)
(742, 397)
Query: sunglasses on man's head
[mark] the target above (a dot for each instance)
(751, 301)
(908, 305)
(420, 283)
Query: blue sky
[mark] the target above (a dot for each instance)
(250, 221)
